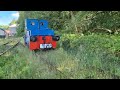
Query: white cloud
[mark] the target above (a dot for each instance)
(5, 21)
(15, 14)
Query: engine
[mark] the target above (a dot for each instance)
(38, 35)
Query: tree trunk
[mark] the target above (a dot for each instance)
(72, 16)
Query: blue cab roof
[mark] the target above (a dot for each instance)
(38, 27)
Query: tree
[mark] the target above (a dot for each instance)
(73, 21)
(14, 21)
(4, 27)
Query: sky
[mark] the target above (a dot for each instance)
(7, 16)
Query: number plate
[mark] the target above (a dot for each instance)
(45, 45)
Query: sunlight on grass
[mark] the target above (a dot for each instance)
(84, 59)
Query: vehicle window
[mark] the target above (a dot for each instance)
(32, 23)
(41, 23)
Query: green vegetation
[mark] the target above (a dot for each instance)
(75, 22)
(4, 27)
(89, 47)
(83, 59)
(14, 21)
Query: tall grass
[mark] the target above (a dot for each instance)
(24, 64)
(83, 57)
(96, 51)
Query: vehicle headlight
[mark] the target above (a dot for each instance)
(33, 38)
(56, 38)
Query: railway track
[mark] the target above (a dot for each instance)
(52, 66)
(8, 48)
(5, 43)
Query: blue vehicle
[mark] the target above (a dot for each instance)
(38, 35)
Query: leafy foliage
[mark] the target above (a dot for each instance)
(4, 27)
(83, 50)
(14, 21)
(75, 21)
